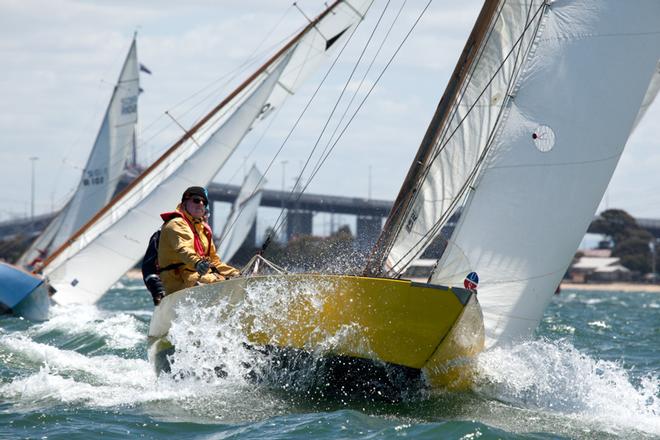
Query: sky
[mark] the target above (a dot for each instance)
(61, 58)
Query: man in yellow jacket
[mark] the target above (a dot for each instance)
(186, 252)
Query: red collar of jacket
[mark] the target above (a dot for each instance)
(199, 246)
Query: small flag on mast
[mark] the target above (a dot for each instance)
(144, 69)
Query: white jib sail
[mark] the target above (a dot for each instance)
(104, 167)
(96, 259)
(472, 117)
(242, 216)
(552, 158)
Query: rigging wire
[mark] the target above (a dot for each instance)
(307, 105)
(275, 230)
(363, 100)
(332, 112)
(325, 152)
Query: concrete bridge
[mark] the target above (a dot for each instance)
(302, 207)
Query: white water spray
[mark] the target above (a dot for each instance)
(557, 378)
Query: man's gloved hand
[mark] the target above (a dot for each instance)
(158, 296)
(202, 267)
(156, 288)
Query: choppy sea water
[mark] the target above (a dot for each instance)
(592, 372)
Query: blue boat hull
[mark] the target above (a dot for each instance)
(23, 293)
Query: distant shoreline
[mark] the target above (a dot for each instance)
(616, 286)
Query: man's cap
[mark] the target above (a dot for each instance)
(195, 191)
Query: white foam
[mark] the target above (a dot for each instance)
(555, 377)
(67, 376)
(599, 324)
(64, 376)
(118, 330)
(211, 336)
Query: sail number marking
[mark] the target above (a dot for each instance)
(95, 176)
(129, 105)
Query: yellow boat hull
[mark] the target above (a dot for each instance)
(434, 329)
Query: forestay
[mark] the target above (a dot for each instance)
(553, 153)
(104, 167)
(242, 216)
(113, 242)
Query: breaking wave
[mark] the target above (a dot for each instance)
(557, 378)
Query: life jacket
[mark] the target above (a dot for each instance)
(151, 270)
(199, 246)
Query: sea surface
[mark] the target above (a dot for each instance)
(591, 372)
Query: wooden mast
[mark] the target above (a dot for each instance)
(188, 134)
(374, 266)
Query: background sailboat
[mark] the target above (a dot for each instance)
(22, 293)
(243, 215)
(114, 240)
(28, 295)
(104, 167)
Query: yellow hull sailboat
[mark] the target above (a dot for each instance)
(431, 329)
(509, 148)
(428, 331)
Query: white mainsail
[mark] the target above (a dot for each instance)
(104, 167)
(554, 151)
(242, 216)
(102, 251)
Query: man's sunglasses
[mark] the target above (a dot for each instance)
(198, 200)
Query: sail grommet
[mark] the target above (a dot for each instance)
(543, 138)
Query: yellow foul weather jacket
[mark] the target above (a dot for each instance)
(184, 241)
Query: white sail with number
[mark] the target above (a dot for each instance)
(104, 167)
(115, 240)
